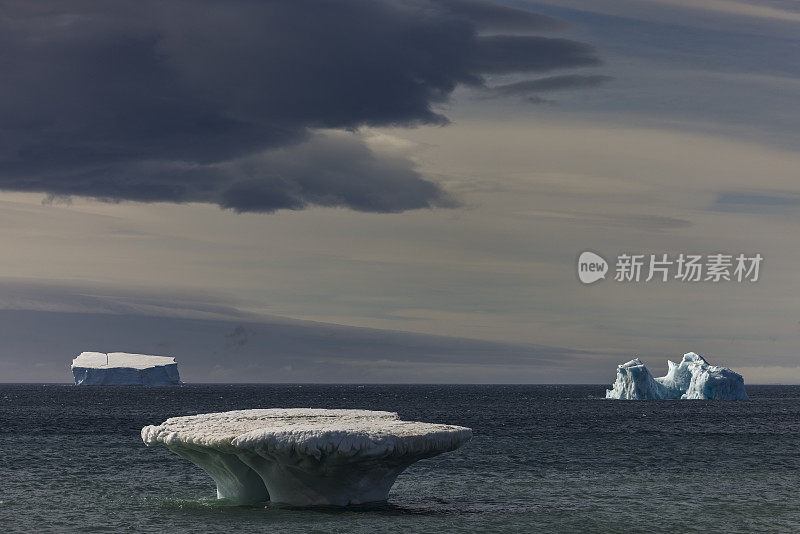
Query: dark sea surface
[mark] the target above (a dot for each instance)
(543, 459)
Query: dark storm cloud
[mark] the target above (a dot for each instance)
(327, 169)
(212, 101)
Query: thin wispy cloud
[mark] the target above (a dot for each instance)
(531, 89)
(757, 201)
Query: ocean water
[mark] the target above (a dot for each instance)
(543, 459)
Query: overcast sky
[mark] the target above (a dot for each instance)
(396, 191)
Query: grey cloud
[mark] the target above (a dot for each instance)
(503, 54)
(277, 350)
(494, 17)
(96, 298)
(51, 323)
(756, 201)
(533, 99)
(548, 85)
(205, 100)
(651, 223)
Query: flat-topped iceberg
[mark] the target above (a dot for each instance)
(693, 378)
(304, 457)
(123, 369)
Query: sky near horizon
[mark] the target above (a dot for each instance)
(398, 190)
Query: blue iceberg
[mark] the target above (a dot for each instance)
(124, 369)
(693, 378)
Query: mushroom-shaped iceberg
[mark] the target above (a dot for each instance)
(304, 457)
(693, 378)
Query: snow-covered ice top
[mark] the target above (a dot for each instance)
(303, 456)
(222, 428)
(100, 360)
(123, 369)
(310, 431)
(692, 378)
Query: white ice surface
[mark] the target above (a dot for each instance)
(634, 381)
(100, 360)
(121, 368)
(692, 378)
(304, 457)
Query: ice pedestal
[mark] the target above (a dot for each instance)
(304, 457)
(235, 480)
